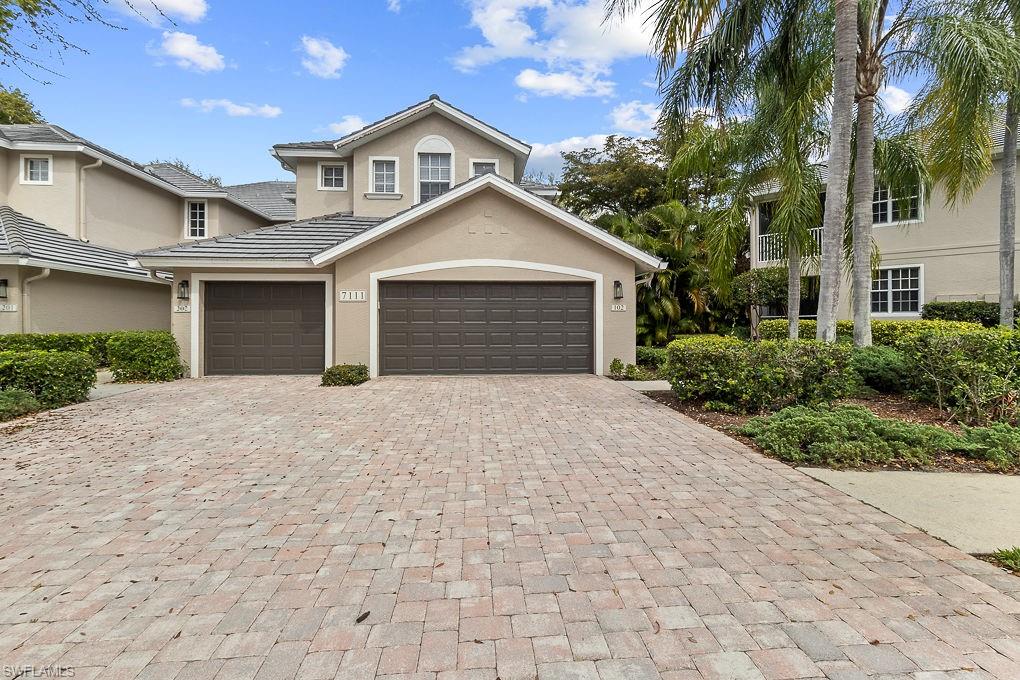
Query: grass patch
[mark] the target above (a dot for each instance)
(1008, 558)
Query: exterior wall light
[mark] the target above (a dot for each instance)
(3, 289)
(617, 290)
(183, 291)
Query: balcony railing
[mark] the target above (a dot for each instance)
(772, 248)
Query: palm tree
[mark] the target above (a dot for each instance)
(1007, 212)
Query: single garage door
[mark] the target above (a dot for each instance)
(486, 327)
(264, 328)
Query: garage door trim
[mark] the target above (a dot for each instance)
(197, 309)
(376, 277)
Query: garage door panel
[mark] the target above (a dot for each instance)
(264, 328)
(517, 327)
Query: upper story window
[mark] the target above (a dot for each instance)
(196, 219)
(434, 176)
(897, 290)
(887, 208)
(384, 175)
(37, 169)
(332, 176)
(484, 167)
(766, 211)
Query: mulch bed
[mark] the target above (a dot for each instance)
(884, 406)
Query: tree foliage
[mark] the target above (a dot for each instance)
(627, 175)
(184, 166)
(16, 108)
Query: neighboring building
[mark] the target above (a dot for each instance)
(415, 250)
(83, 205)
(929, 250)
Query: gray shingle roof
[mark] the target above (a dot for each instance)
(293, 241)
(269, 197)
(24, 237)
(185, 181)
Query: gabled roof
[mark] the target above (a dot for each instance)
(321, 240)
(433, 104)
(50, 137)
(28, 242)
(275, 198)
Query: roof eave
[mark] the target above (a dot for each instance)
(77, 269)
(164, 261)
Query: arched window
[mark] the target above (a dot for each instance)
(433, 167)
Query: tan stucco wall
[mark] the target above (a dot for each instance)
(232, 219)
(128, 213)
(487, 225)
(52, 204)
(70, 302)
(312, 202)
(10, 322)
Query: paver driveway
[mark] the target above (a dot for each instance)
(459, 527)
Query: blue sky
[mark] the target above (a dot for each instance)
(225, 80)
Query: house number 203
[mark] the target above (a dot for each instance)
(353, 296)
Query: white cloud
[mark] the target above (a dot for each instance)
(564, 84)
(393, 5)
(322, 58)
(894, 99)
(545, 158)
(232, 109)
(157, 11)
(635, 116)
(188, 52)
(347, 125)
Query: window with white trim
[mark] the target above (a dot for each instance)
(36, 170)
(384, 176)
(483, 168)
(887, 208)
(333, 176)
(196, 219)
(897, 290)
(433, 175)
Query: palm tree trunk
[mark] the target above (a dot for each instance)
(793, 287)
(844, 87)
(864, 189)
(1007, 214)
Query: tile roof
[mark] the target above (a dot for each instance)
(21, 236)
(274, 198)
(183, 180)
(292, 241)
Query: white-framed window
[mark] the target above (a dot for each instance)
(332, 176)
(196, 219)
(385, 178)
(434, 176)
(484, 166)
(887, 208)
(36, 169)
(898, 290)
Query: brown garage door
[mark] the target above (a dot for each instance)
(486, 327)
(264, 328)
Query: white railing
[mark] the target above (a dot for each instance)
(772, 248)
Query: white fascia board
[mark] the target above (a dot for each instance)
(61, 266)
(508, 189)
(162, 262)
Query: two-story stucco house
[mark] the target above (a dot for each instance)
(415, 250)
(72, 213)
(929, 250)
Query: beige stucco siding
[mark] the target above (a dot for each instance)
(52, 204)
(70, 302)
(129, 213)
(10, 322)
(310, 200)
(489, 226)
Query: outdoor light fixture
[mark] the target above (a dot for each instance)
(3, 289)
(183, 293)
(617, 290)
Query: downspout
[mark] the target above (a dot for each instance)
(26, 326)
(83, 234)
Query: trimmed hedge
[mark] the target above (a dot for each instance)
(984, 313)
(884, 369)
(754, 376)
(345, 374)
(54, 378)
(883, 332)
(93, 344)
(777, 329)
(651, 357)
(144, 356)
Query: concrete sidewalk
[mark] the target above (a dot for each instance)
(974, 512)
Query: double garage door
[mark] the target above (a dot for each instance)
(424, 327)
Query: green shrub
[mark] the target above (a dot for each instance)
(881, 368)
(984, 313)
(998, 444)
(144, 356)
(846, 436)
(616, 367)
(883, 332)
(54, 378)
(752, 376)
(1009, 558)
(93, 344)
(651, 357)
(15, 403)
(778, 329)
(345, 374)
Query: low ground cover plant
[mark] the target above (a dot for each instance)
(53, 378)
(15, 403)
(144, 356)
(345, 374)
(1008, 558)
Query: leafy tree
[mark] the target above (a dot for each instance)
(183, 166)
(15, 107)
(627, 175)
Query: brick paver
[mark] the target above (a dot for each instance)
(525, 527)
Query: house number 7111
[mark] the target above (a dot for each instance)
(353, 296)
